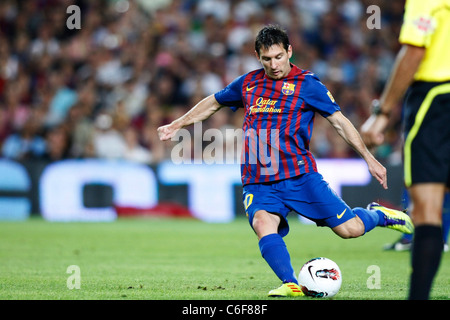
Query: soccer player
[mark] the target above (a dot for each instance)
(423, 68)
(279, 173)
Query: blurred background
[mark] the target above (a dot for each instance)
(101, 91)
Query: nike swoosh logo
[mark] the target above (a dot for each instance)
(342, 213)
(250, 89)
(312, 277)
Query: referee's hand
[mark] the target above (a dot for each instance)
(372, 131)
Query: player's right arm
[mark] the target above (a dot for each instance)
(229, 96)
(201, 111)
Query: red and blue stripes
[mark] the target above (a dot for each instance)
(278, 123)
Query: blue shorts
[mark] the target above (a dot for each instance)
(308, 195)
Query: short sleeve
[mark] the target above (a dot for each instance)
(317, 96)
(418, 23)
(231, 95)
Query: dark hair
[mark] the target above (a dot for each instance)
(271, 35)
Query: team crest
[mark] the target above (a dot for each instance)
(288, 88)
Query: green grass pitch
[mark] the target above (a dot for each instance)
(186, 259)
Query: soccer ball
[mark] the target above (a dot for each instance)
(320, 278)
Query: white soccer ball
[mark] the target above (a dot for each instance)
(320, 278)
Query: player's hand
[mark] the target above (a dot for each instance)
(167, 132)
(372, 130)
(378, 171)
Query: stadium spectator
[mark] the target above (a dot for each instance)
(133, 150)
(25, 144)
(57, 144)
(44, 43)
(107, 142)
(177, 51)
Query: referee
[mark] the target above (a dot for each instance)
(422, 74)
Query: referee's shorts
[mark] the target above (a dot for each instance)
(427, 133)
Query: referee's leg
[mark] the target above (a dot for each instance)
(426, 213)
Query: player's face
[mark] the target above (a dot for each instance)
(275, 61)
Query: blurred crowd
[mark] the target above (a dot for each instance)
(102, 90)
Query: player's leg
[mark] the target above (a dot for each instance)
(427, 199)
(274, 251)
(311, 196)
(272, 246)
(352, 228)
(265, 223)
(366, 220)
(270, 228)
(393, 219)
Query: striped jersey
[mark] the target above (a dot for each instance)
(278, 122)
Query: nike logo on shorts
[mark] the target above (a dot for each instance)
(342, 213)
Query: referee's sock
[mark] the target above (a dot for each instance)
(274, 251)
(425, 260)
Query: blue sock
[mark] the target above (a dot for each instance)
(408, 237)
(274, 251)
(370, 218)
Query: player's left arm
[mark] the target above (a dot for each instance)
(349, 133)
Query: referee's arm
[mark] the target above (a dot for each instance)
(406, 64)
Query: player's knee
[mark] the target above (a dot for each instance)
(350, 234)
(349, 230)
(260, 221)
(265, 223)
